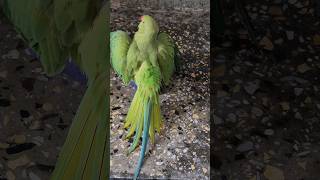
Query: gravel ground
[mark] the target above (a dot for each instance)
(266, 119)
(35, 110)
(182, 148)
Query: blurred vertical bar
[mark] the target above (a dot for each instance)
(216, 17)
(218, 21)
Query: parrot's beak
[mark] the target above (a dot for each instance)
(141, 18)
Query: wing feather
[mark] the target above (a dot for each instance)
(166, 56)
(119, 46)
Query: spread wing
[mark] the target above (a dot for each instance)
(33, 19)
(166, 56)
(119, 45)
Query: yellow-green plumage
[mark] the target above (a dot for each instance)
(166, 56)
(120, 42)
(33, 18)
(57, 30)
(86, 143)
(148, 80)
(148, 60)
(89, 140)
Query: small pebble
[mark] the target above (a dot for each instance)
(246, 146)
(269, 132)
(33, 176)
(21, 161)
(10, 175)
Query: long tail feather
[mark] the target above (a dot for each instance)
(144, 112)
(84, 154)
(136, 137)
(145, 136)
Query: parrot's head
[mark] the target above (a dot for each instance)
(148, 25)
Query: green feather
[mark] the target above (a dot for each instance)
(166, 54)
(32, 20)
(119, 45)
(94, 47)
(148, 81)
(83, 135)
(85, 152)
(40, 22)
(61, 14)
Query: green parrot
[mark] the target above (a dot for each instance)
(149, 59)
(78, 29)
